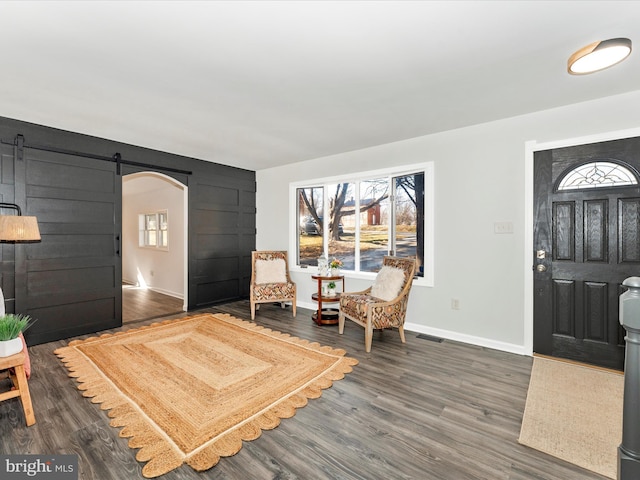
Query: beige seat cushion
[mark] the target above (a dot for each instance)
(270, 271)
(388, 284)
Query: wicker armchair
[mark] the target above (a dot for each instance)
(372, 312)
(270, 281)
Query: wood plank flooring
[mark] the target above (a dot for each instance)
(145, 304)
(423, 410)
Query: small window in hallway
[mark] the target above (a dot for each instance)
(154, 230)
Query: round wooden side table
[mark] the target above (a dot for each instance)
(326, 315)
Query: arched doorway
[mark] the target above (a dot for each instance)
(154, 246)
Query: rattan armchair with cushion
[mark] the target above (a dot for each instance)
(270, 281)
(384, 304)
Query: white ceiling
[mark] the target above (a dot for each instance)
(261, 84)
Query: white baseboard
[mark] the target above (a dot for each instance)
(167, 292)
(464, 338)
(449, 335)
(159, 290)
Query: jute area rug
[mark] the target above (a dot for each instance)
(191, 390)
(574, 413)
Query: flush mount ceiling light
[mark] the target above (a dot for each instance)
(598, 56)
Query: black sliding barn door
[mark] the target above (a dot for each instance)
(70, 281)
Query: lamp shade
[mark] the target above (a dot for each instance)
(598, 56)
(18, 228)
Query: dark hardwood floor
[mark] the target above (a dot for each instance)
(145, 304)
(423, 410)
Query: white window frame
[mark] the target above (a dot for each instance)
(142, 230)
(429, 220)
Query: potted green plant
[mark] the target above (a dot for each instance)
(11, 326)
(331, 286)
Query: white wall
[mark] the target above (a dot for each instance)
(148, 194)
(480, 178)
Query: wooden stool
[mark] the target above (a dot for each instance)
(19, 380)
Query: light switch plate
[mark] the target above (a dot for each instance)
(503, 227)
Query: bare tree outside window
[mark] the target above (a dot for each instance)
(386, 215)
(374, 223)
(409, 217)
(342, 237)
(310, 221)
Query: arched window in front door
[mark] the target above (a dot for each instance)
(599, 174)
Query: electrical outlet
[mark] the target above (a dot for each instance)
(455, 304)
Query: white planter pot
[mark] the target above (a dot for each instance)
(10, 347)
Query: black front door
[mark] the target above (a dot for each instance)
(586, 243)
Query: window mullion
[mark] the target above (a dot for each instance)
(325, 220)
(356, 214)
(392, 217)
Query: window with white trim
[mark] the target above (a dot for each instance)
(154, 230)
(359, 219)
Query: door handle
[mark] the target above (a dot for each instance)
(541, 268)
